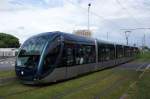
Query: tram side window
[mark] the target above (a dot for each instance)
(90, 54)
(112, 52)
(119, 52)
(101, 53)
(79, 54)
(84, 54)
(135, 51)
(107, 53)
(132, 52)
(129, 52)
(126, 51)
(68, 55)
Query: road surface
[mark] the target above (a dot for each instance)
(7, 64)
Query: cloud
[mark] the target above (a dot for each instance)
(24, 18)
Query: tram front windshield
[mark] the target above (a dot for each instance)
(30, 52)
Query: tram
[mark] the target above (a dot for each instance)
(54, 56)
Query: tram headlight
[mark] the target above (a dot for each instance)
(22, 73)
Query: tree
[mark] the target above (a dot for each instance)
(8, 41)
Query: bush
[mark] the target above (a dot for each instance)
(8, 41)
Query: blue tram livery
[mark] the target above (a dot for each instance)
(54, 56)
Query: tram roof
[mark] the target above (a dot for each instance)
(76, 38)
(68, 37)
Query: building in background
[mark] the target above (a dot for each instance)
(8, 52)
(85, 33)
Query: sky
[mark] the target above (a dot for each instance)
(24, 18)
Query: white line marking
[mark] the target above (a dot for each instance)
(148, 67)
(139, 68)
(140, 76)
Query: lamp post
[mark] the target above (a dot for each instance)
(89, 5)
(127, 36)
(143, 38)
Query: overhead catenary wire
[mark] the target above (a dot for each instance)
(137, 28)
(144, 35)
(127, 11)
(101, 18)
(130, 14)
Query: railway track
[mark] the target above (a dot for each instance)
(108, 89)
(6, 80)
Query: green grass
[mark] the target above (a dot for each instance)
(6, 74)
(141, 90)
(143, 56)
(106, 84)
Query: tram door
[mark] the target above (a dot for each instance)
(69, 60)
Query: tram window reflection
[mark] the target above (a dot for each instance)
(50, 59)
